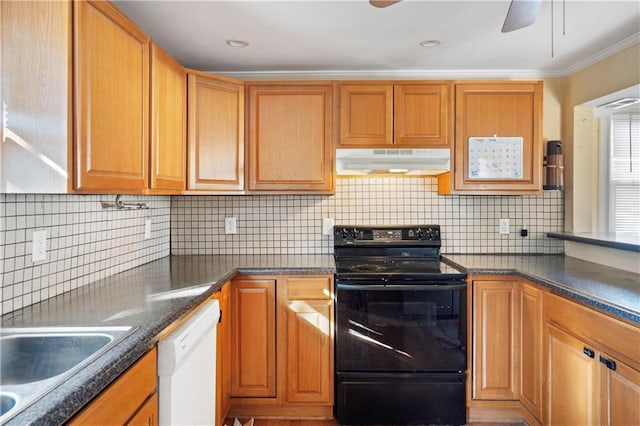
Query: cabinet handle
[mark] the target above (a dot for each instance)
(588, 352)
(611, 364)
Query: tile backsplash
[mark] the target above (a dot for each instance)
(293, 224)
(84, 242)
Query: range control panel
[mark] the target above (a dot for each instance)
(387, 234)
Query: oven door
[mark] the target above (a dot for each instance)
(401, 328)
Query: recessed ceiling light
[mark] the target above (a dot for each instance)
(430, 43)
(237, 43)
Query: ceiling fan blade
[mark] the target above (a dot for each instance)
(383, 3)
(522, 13)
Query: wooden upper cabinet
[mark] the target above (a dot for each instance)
(366, 114)
(422, 115)
(36, 96)
(290, 134)
(412, 115)
(504, 109)
(168, 122)
(111, 73)
(216, 133)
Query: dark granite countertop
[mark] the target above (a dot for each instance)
(622, 240)
(154, 295)
(607, 289)
(151, 297)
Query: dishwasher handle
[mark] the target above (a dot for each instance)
(174, 349)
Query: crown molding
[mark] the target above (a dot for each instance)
(603, 54)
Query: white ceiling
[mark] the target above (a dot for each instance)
(353, 38)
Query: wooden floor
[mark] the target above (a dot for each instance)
(276, 422)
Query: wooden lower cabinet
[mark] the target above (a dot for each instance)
(496, 338)
(620, 389)
(539, 356)
(506, 349)
(253, 341)
(531, 320)
(282, 344)
(309, 340)
(572, 371)
(592, 366)
(223, 355)
(131, 399)
(147, 415)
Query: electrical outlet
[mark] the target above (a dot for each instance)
(147, 229)
(39, 246)
(230, 225)
(504, 226)
(327, 226)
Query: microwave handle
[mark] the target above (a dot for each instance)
(402, 287)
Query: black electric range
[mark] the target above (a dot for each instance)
(400, 327)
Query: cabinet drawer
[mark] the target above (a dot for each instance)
(603, 331)
(304, 288)
(118, 403)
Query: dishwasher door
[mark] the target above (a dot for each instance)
(187, 370)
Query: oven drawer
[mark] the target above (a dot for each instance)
(401, 399)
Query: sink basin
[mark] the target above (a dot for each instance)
(7, 402)
(30, 358)
(33, 361)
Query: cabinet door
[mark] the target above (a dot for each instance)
(36, 96)
(572, 380)
(366, 114)
(290, 138)
(502, 110)
(495, 343)
(147, 415)
(111, 72)
(309, 342)
(620, 392)
(216, 134)
(253, 338)
(309, 351)
(531, 322)
(223, 356)
(422, 115)
(168, 122)
(128, 393)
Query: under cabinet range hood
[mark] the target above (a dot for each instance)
(413, 162)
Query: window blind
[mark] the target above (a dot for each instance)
(624, 208)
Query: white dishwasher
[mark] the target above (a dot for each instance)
(187, 370)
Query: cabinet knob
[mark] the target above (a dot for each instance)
(588, 352)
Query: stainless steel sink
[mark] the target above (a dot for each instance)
(35, 360)
(7, 402)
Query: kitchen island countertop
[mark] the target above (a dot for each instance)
(154, 295)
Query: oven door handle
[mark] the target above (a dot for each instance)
(418, 287)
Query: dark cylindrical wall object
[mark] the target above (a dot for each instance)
(554, 166)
